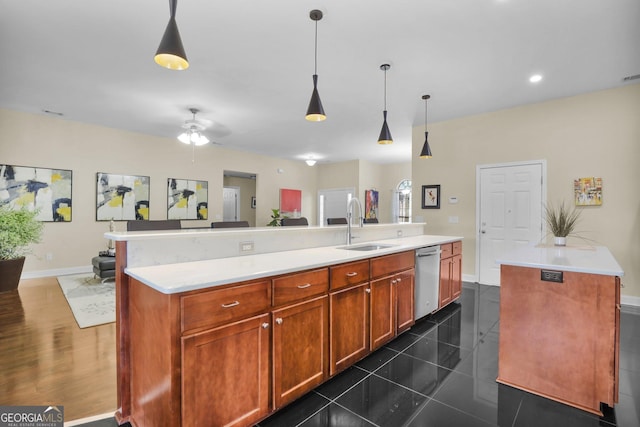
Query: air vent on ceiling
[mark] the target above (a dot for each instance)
(629, 78)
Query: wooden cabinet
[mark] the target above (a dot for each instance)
(300, 349)
(348, 314)
(450, 286)
(392, 297)
(560, 340)
(225, 379)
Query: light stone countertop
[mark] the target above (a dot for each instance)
(579, 259)
(188, 276)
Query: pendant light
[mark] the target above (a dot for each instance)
(193, 135)
(426, 150)
(315, 112)
(385, 135)
(171, 53)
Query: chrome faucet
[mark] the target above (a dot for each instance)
(349, 215)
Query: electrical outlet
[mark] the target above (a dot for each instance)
(49, 256)
(453, 220)
(246, 246)
(399, 233)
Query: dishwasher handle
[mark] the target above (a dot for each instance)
(428, 252)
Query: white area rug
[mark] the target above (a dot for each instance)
(92, 302)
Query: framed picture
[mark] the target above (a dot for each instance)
(290, 203)
(187, 199)
(253, 202)
(370, 204)
(431, 197)
(122, 197)
(588, 191)
(48, 190)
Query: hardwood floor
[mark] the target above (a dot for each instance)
(45, 358)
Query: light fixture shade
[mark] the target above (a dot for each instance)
(385, 134)
(315, 112)
(171, 53)
(426, 150)
(310, 162)
(185, 138)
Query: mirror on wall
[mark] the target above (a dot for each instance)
(238, 196)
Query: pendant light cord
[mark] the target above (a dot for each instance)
(385, 89)
(173, 5)
(315, 60)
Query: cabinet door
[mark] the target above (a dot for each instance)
(348, 323)
(225, 374)
(381, 312)
(300, 349)
(445, 282)
(456, 276)
(404, 299)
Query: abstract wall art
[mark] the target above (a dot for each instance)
(290, 203)
(122, 197)
(431, 197)
(187, 199)
(44, 189)
(370, 204)
(588, 191)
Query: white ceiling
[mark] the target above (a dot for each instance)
(251, 63)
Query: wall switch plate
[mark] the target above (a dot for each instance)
(453, 220)
(453, 200)
(399, 233)
(246, 247)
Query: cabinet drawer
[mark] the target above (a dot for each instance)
(390, 264)
(349, 274)
(457, 248)
(216, 307)
(298, 286)
(446, 250)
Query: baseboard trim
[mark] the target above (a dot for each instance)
(629, 300)
(55, 272)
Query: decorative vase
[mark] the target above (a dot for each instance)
(560, 241)
(10, 271)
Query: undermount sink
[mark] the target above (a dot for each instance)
(366, 247)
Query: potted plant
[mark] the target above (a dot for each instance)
(561, 221)
(275, 218)
(18, 229)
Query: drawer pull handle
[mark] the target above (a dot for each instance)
(279, 321)
(231, 304)
(394, 281)
(265, 325)
(399, 279)
(352, 274)
(306, 285)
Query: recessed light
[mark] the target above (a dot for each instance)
(535, 78)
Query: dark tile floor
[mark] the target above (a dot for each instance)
(442, 373)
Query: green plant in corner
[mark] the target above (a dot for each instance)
(18, 229)
(561, 219)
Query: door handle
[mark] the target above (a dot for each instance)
(306, 285)
(279, 321)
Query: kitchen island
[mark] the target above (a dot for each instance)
(228, 341)
(560, 324)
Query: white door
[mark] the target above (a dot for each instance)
(231, 203)
(510, 212)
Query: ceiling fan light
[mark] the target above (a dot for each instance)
(310, 162)
(426, 150)
(185, 138)
(170, 53)
(199, 139)
(315, 112)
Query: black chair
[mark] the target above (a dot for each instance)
(294, 221)
(371, 220)
(229, 224)
(336, 221)
(166, 224)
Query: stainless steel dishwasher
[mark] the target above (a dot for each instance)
(427, 280)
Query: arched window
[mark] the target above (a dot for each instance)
(402, 210)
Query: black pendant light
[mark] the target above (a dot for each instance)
(315, 112)
(385, 135)
(426, 150)
(171, 53)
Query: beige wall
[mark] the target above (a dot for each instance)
(42, 141)
(596, 134)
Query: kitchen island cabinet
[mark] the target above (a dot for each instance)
(560, 325)
(450, 273)
(195, 349)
